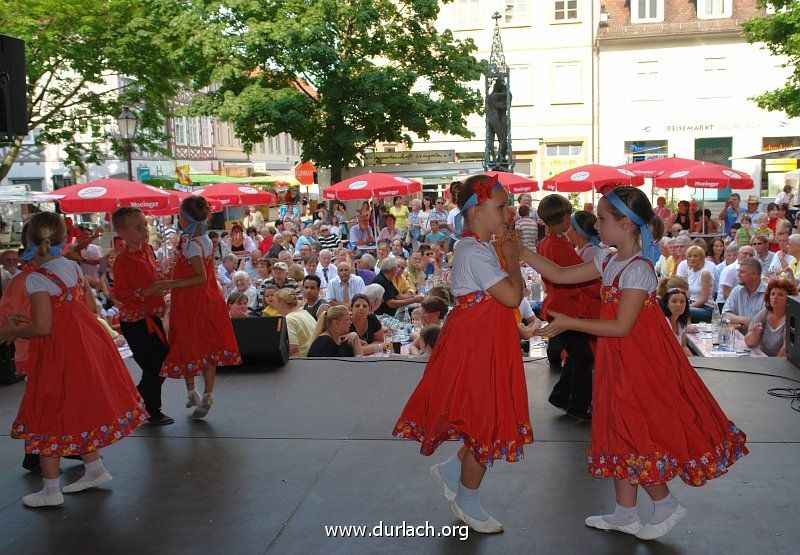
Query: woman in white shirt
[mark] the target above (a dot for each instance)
(700, 281)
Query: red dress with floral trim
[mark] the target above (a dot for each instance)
(200, 330)
(654, 419)
(473, 388)
(79, 396)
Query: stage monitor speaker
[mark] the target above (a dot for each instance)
(13, 97)
(262, 341)
(793, 330)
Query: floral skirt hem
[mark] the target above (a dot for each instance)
(659, 468)
(85, 442)
(197, 367)
(485, 453)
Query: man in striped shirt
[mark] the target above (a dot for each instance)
(327, 239)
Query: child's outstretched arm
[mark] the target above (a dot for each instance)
(580, 273)
(40, 324)
(630, 305)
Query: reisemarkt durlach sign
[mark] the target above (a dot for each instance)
(410, 157)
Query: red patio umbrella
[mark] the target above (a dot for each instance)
(659, 166)
(106, 195)
(236, 194)
(176, 197)
(584, 178)
(704, 175)
(371, 185)
(514, 183)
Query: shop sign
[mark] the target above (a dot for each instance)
(410, 157)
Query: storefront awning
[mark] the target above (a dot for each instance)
(772, 154)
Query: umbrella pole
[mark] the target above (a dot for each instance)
(703, 210)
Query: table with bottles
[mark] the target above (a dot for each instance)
(706, 340)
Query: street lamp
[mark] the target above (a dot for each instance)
(127, 130)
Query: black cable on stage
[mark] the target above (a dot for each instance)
(781, 392)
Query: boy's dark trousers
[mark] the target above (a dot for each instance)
(573, 392)
(149, 351)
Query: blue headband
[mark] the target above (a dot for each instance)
(33, 249)
(193, 226)
(593, 239)
(458, 223)
(650, 250)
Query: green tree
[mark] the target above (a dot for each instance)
(338, 75)
(76, 49)
(780, 33)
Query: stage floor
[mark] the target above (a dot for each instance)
(285, 453)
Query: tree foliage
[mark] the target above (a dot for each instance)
(75, 49)
(378, 70)
(780, 33)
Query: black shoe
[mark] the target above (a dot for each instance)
(584, 416)
(160, 419)
(555, 367)
(31, 464)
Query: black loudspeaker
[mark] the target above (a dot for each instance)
(13, 98)
(793, 330)
(262, 341)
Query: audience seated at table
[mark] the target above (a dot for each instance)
(237, 305)
(747, 298)
(312, 301)
(344, 286)
(432, 311)
(699, 274)
(241, 283)
(364, 323)
(767, 329)
(300, 325)
(760, 243)
(675, 305)
(365, 268)
(729, 276)
(672, 282)
(269, 300)
(392, 298)
(332, 337)
(428, 336)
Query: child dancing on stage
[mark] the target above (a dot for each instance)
(473, 388)
(201, 334)
(79, 396)
(141, 306)
(653, 419)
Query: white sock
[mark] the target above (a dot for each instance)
(94, 469)
(51, 485)
(191, 392)
(663, 509)
(470, 503)
(621, 516)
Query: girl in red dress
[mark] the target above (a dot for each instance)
(200, 333)
(473, 388)
(653, 419)
(79, 396)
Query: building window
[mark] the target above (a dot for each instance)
(516, 12)
(647, 11)
(194, 131)
(562, 157)
(566, 10)
(566, 83)
(287, 140)
(262, 147)
(467, 14)
(207, 131)
(714, 9)
(636, 151)
(278, 144)
(715, 64)
(179, 130)
(270, 145)
(521, 85)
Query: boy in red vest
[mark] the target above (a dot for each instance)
(573, 392)
(141, 306)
